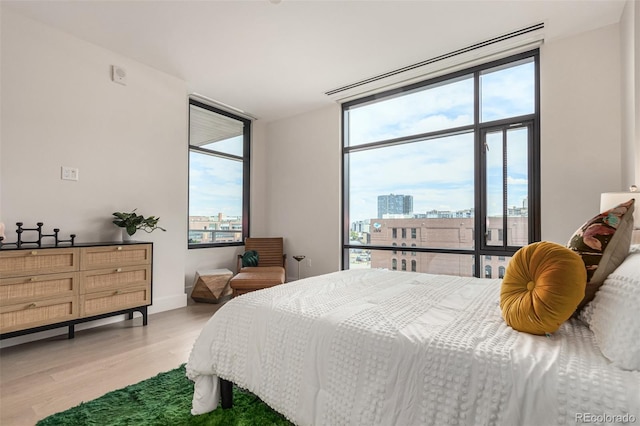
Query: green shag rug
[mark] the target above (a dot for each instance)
(164, 400)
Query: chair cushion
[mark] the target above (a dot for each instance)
(258, 269)
(542, 287)
(256, 278)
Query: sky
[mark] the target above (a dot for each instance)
(438, 173)
(215, 186)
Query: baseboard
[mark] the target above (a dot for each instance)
(161, 304)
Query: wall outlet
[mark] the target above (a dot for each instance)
(69, 173)
(118, 75)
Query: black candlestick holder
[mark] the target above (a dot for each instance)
(38, 242)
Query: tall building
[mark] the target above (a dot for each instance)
(393, 204)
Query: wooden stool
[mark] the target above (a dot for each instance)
(211, 285)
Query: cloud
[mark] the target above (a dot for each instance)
(508, 92)
(431, 171)
(215, 186)
(439, 107)
(439, 173)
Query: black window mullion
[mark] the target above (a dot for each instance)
(346, 222)
(505, 207)
(480, 179)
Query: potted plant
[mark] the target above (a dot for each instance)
(131, 222)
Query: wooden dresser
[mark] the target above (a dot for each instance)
(50, 287)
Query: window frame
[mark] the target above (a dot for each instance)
(478, 128)
(246, 172)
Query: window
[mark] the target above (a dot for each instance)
(218, 177)
(394, 264)
(501, 272)
(404, 264)
(413, 266)
(403, 250)
(487, 271)
(462, 153)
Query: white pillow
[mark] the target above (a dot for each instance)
(613, 313)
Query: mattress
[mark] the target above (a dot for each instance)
(376, 347)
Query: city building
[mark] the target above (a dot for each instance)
(215, 229)
(395, 204)
(444, 231)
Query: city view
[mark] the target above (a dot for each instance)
(396, 225)
(215, 229)
(399, 228)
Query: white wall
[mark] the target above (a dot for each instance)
(580, 138)
(303, 160)
(630, 50)
(59, 107)
(580, 149)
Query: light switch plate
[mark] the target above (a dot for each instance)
(69, 173)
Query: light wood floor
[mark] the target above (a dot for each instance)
(51, 375)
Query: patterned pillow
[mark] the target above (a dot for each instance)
(603, 243)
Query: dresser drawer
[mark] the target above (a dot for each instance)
(115, 256)
(38, 313)
(38, 287)
(114, 300)
(17, 263)
(115, 278)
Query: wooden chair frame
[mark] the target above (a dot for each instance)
(270, 251)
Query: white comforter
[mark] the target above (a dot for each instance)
(375, 347)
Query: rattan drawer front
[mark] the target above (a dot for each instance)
(114, 300)
(18, 263)
(35, 314)
(38, 287)
(105, 279)
(115, 256)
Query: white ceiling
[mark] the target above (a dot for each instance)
(275, 60)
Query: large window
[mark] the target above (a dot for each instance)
(455, 160)
(218, 176)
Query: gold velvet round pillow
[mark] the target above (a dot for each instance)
(542, 287)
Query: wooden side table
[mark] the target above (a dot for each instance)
(211, 285)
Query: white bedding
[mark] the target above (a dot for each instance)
(375, 347)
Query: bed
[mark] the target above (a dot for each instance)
(379, 347)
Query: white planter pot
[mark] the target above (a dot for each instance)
(126, 236)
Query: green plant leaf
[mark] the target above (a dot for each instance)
(132, 222)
